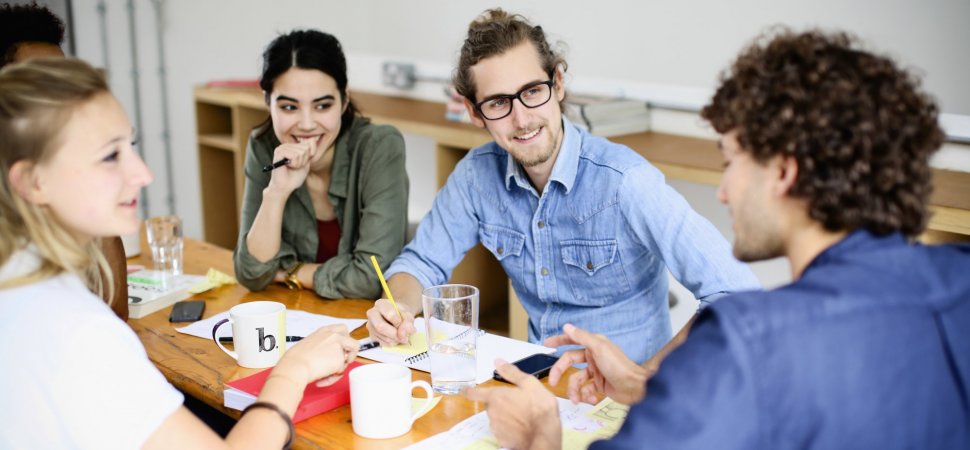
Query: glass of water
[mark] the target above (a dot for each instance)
(451, 321)
(165, 240)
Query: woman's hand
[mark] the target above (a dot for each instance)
(322, 356)
(288, 178)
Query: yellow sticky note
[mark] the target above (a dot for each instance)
(219, 278)
(418, 402)
(213, 279)
(418, 343)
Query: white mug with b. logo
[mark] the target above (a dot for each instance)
(258, 333)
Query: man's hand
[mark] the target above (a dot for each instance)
(522, 417)
(608, 370)
(386, 326)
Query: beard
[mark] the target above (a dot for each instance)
(529, 158)
(756, 237)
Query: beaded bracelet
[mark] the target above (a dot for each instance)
(286, 418)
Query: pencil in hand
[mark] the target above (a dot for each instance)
(387, 291)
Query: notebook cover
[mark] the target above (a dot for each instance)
(316, 400)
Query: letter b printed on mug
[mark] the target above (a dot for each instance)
(258, 333)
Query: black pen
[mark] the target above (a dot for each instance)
(276, 164)
(288, 338)
(369, 346)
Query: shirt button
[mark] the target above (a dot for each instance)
(541, 224)
(545, 271)
(589, 265)
(501, 250)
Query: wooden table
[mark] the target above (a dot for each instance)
(200, 369)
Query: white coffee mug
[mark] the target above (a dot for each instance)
(380, 400)
(258, 333)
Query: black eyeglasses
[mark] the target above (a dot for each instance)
(531, 96)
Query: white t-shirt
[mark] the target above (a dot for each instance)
(72, 375)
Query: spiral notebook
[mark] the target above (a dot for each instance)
(490, 346)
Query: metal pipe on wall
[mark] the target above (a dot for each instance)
(163, 88)
(103, 25)
(136, 88)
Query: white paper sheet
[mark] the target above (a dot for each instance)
(298, 323)
(581, 425)
(489, 348)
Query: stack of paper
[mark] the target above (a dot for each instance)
(150, 291)
(607, 117)
(489, 348)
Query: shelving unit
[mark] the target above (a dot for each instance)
(225, 117)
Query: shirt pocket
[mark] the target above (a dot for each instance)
(594, 271)
(502, 242)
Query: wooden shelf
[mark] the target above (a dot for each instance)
(225, 117)
(220, 141)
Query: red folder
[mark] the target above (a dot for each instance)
(316, 400)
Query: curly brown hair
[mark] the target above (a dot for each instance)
(27, 23)
(493, 33)
(859, 127)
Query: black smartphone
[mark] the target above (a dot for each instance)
(187, 311)
(537, 365)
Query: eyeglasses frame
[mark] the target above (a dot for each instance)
(551, 82)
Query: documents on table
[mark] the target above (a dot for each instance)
(490, 346)
(581, 425)
(298, 323)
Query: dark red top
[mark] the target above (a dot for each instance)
(329, 234)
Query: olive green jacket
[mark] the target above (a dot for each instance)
(369, 193)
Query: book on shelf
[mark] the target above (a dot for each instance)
(150, 291)
(316, 400)
(625, 125)
(608, 116)
(587, 108)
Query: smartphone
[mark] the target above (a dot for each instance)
(537, 365)
(187, 311)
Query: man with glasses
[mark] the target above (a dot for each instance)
(585, 229)
(826, 151)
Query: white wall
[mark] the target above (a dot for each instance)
(678, 46)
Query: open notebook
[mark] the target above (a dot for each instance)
(490, 346)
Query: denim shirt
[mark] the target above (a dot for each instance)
(592, 250)
(869, 349)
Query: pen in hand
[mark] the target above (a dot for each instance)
(276, 164)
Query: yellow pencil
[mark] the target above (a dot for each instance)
(387, 291)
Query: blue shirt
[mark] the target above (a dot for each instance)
(870, 348)
(592, 250)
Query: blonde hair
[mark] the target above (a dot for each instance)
(38, 97)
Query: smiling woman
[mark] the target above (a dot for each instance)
(70, 175)
(337, 190)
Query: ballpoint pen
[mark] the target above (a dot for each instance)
(368, 346)
(225, 339)
(276, 164)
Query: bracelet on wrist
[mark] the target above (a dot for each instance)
(285, 416)
(292, 279)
